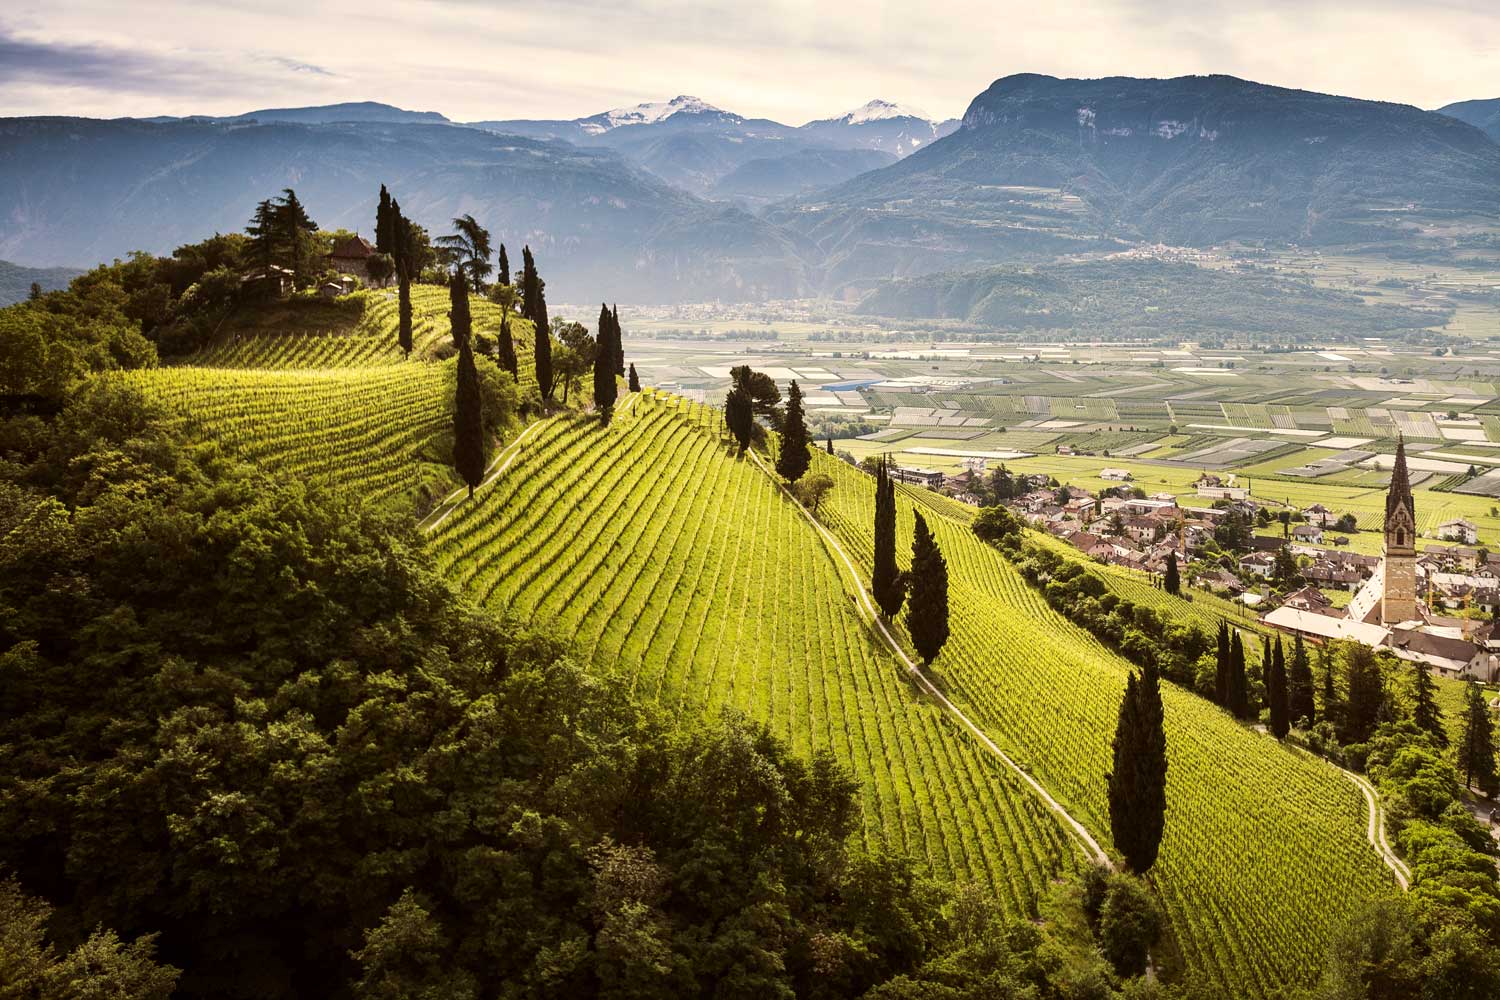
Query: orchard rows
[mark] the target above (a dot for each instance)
(1264, 851)
(658, 553)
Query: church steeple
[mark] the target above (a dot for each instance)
(1400, 491)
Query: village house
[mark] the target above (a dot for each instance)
(1261, 564)
(1120, 475)
(1308, 534)
(930, 478)
(1319, 515)
(352, 257)
(1460, 530)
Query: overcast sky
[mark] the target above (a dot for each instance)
(791, 60)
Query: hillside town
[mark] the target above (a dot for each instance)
(1302, 579)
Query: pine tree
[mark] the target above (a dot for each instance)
(296, 234)
(1476, 751)
(1138, 781)
(1425, 712)
(927, 608)
(1239, 682)
(1333, 705)
(1299, 686)
(1222, 664)
(264, 234)
(635, 380)
(886, 579)
(793, 460)
(740, 416)
(1276, 697)
(606, 391)
(504, 266)
(468, 420)
(385, 240)
(1172, 583)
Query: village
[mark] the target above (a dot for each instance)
(1437, 606)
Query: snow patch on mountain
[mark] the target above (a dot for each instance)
(878, 110)
(647, 114)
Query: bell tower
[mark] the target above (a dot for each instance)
(1399, 570)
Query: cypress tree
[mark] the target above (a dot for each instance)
(1222, 663)
(635, 380)
(740, 416)
(468, 421)
(504, 266)
(1172, 583)
(1239, 685)
(403, 291)
(619, 335)
(542, 348)
(507, 348)
(529, 283)
(1366, 693)
(830, 446)
(1425, 712)
(1476, 752)
(793, 460)
(384, 232)
(1299, 686)
(927, 609)
(886, 579)
(1138, 781)
(1276, 697)
(605, 389)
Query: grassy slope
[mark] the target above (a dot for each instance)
(1265, 850)
(664, 557)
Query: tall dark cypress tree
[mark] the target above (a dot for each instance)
(1424, 709)
(1137, 784)
(1172, 582)
(739, 414)
(1276, 697)
(1476, 749)
(1222, 662)
(886, 579)
(542, 347)
(468, 420)
(793, 460)
(635, 380)
(507, 349)
(1239, 682)
(605, 388)
(384, 232)
(529, 280)
(927, 607)
(619, 335)
(1299, 686)
(401, 242)
(829, 444)
(504, 267)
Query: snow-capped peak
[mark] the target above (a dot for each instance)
(878, 110)
(649, 113)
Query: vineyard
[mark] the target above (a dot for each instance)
(1264, 852)
(370, 342)
(380, 432)
(705, 587)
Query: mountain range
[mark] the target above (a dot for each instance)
(1483, 115)
(684, 200)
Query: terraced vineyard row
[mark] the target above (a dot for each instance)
(373, 341)
(1264, 852)
(374, 431)
(660, 554)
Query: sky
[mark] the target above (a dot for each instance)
(789, 60)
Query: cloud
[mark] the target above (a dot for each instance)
(302, 67)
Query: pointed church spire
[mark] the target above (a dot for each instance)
(1400, 491)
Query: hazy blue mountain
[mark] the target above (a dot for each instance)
(1483, 115)
(776, 177)
(884, 125)
(15, 280)
(79, 191)
(1042, 166)
(352, 111)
